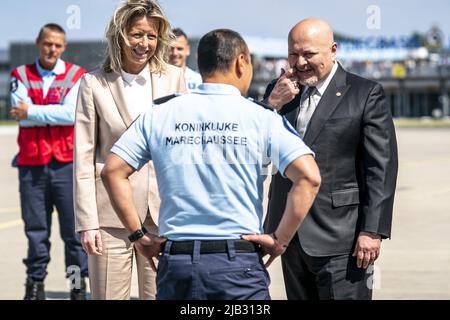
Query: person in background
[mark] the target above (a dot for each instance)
(179, 52)
(43, 98)
(135, 72)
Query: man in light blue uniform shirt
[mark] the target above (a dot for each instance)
(210, 150)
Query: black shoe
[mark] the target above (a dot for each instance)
(79, 294)
(34, 290)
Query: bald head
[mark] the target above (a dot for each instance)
(314, 28)
(312, 50)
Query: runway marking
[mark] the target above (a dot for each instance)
(427, 194)
(11, 224)
(418, 163)
(14, 223)
(10, 210)
(442, 192)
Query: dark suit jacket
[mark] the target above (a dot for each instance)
(353, 137)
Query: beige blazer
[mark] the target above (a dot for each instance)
(102, 116)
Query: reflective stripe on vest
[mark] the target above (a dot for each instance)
(23, 75)
(37, 145)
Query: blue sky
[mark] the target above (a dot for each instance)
(249, 17)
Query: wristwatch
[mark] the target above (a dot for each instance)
(137, 234)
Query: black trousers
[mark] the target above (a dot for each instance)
(324, 278)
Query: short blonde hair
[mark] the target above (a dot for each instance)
(116, 34)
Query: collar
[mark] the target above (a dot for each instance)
(60, 68)
(143, 75)
(322, 86)
(217, 88)
(188, 70)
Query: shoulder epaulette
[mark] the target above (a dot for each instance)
(262, 104)
(166, 98)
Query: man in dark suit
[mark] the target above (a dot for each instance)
(345, 120)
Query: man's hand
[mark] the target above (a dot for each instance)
(367, 249)
(269, 246)
(19, 112)
(284, 91)
(149, 246)
(91, 241)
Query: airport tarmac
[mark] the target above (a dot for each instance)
(414, 264)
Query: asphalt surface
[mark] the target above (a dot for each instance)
(414, 264)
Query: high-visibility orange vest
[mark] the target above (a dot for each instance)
(37, 145)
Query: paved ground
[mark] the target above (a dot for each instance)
(413, 265)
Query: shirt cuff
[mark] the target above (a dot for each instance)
(32, 113)
(117, 150)
(284, 163)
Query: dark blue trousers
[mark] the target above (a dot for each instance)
(41, 189)
(211, 276)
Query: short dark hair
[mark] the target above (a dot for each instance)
(217, 50)
(50, 26)
(179, 33)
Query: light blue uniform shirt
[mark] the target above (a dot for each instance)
(193, 79)
(210, 150)
(52, 114)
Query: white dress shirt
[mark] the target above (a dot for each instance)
(321, 87)
(138, 91)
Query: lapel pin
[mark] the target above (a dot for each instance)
(338, 94)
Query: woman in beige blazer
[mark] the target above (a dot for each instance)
(134, 73)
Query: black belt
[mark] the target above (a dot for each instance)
(212, 246)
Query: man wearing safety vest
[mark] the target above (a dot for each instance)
(43, 99)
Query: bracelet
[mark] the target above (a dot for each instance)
(274, 236)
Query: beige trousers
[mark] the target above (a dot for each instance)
(110, 274)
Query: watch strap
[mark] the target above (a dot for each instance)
(137, 234)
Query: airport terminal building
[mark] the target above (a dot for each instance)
(415, 73)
